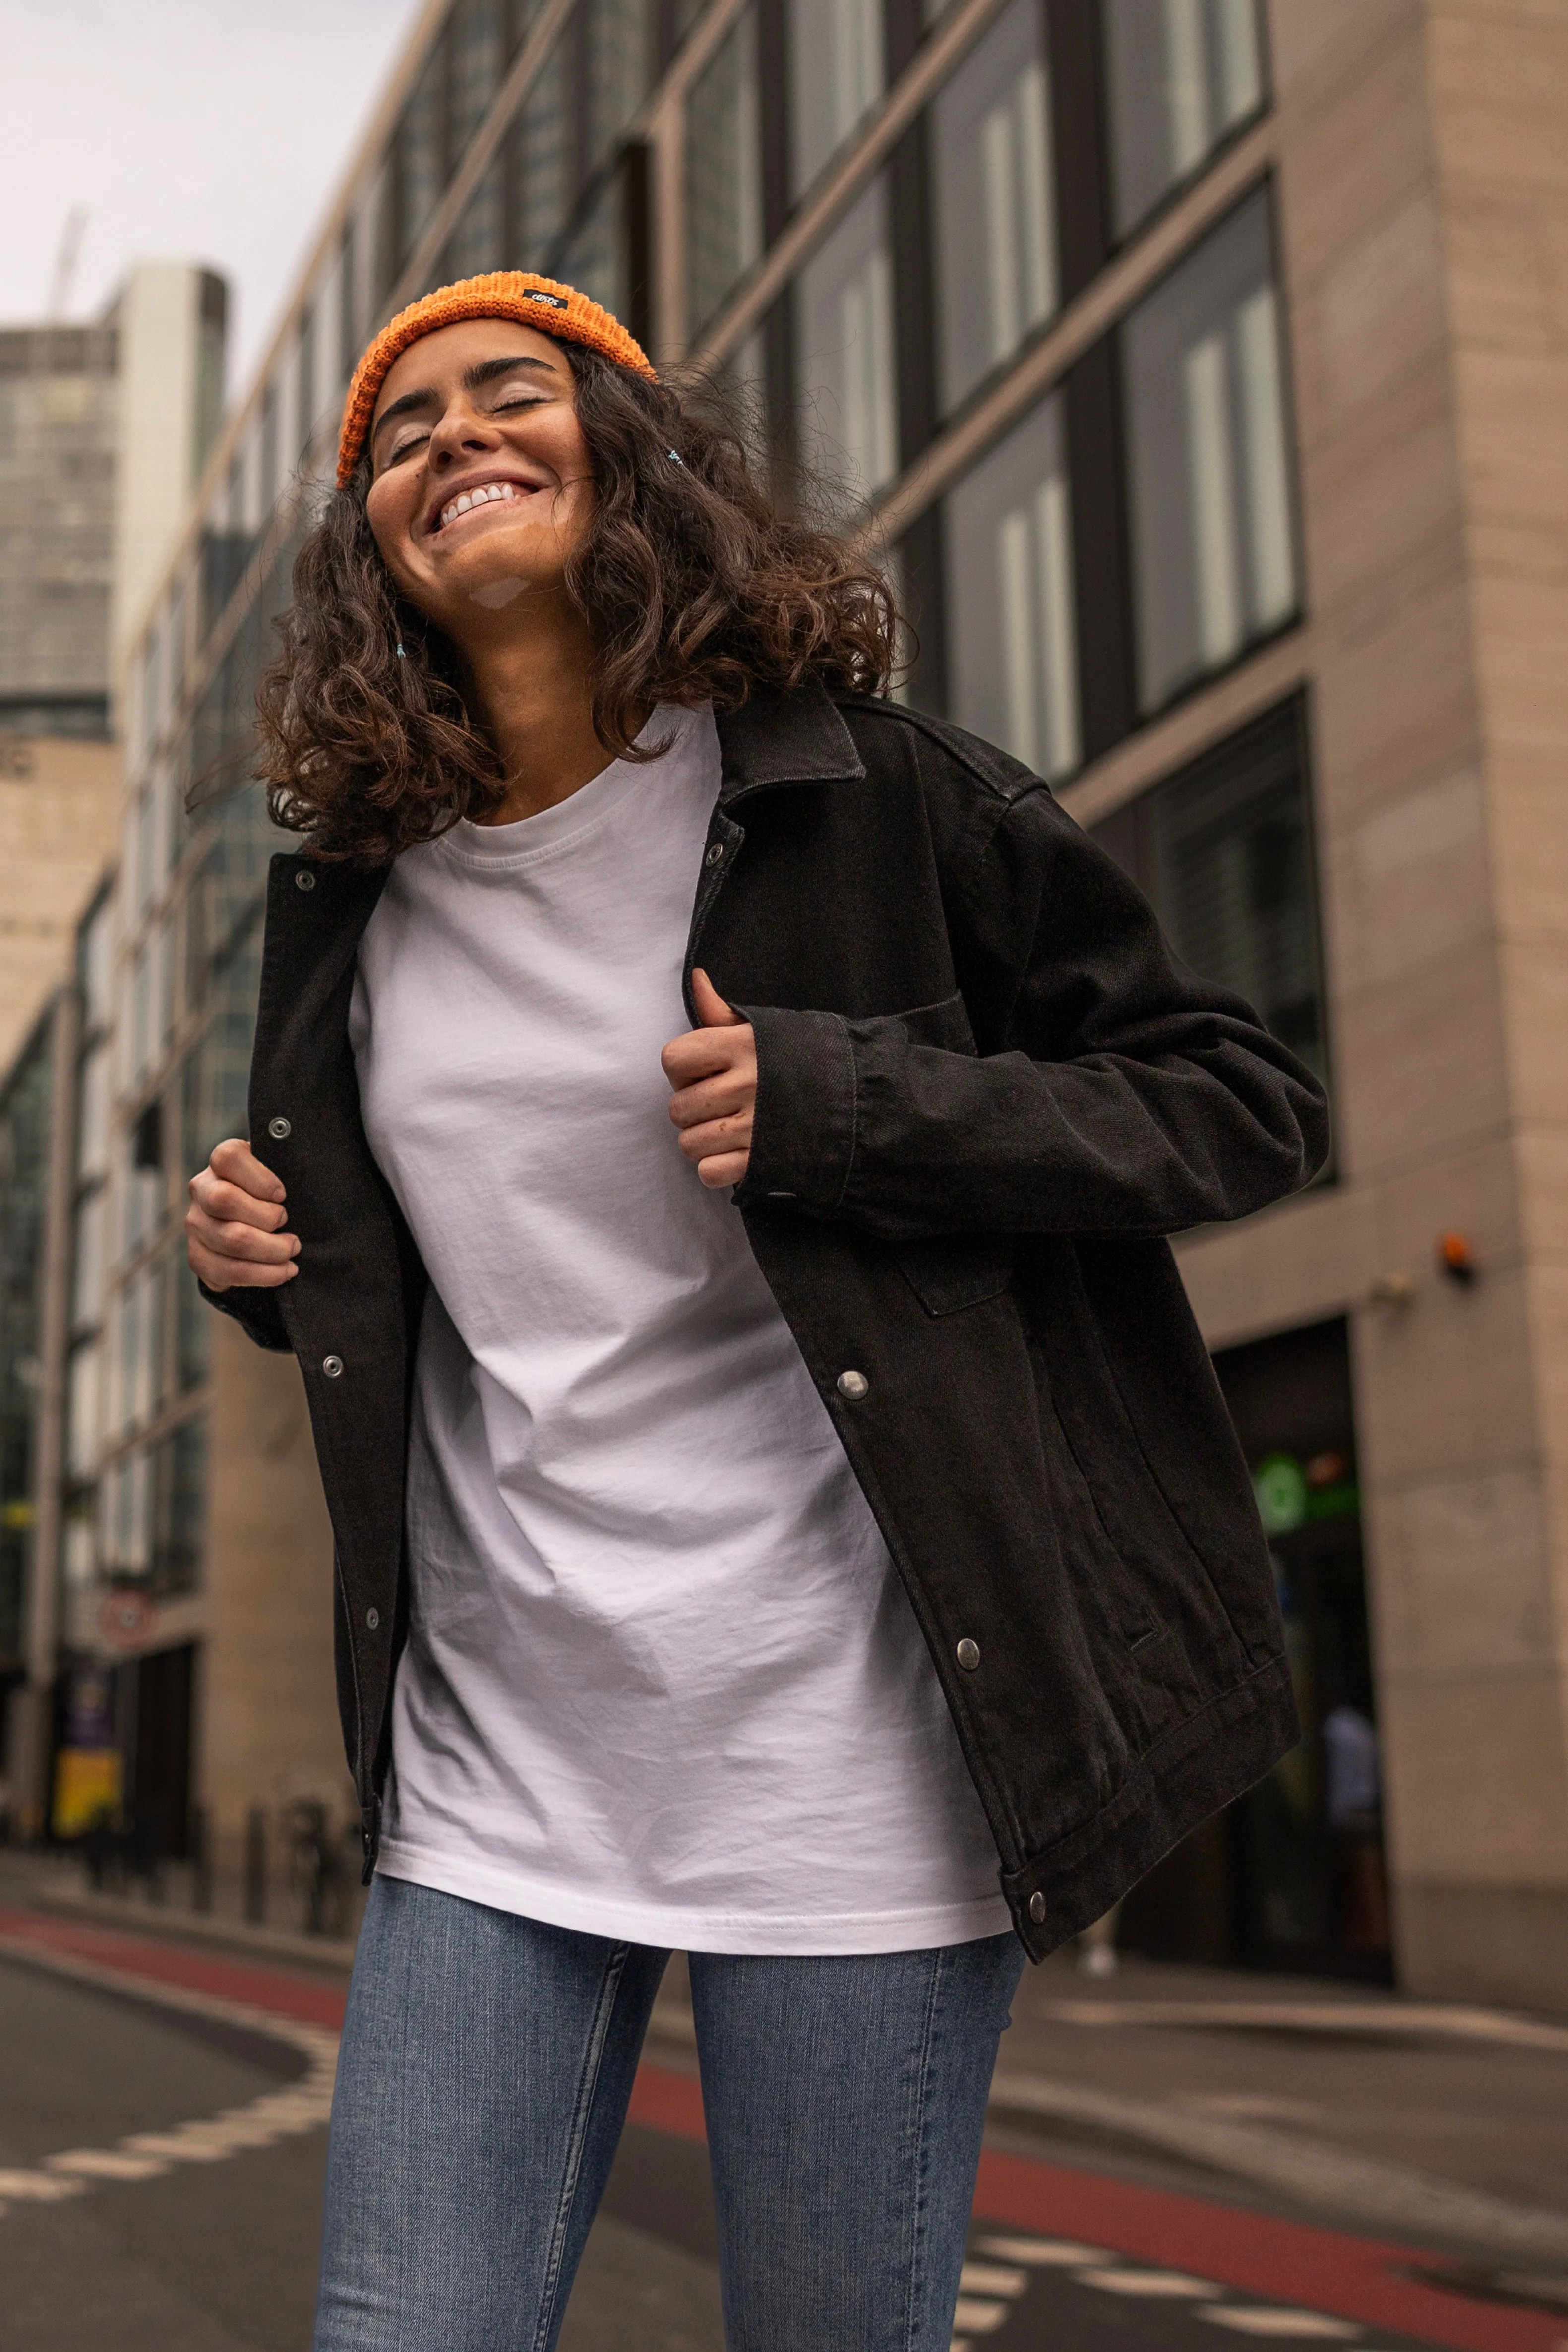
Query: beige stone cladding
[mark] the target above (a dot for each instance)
(59, 816)
(1422, 182)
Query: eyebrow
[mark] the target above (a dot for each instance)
(483, 371)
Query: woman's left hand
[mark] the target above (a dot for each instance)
(713, 1071)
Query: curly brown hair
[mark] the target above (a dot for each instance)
(696, 582)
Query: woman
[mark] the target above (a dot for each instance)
(810, 1537)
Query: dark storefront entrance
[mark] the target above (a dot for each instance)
(124, 1751)
(1291, 1875)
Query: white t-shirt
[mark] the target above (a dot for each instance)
(661, 1681)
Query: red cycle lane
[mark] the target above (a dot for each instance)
(1372, 2281)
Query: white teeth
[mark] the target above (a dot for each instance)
(485, 495)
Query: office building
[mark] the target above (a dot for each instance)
(1200, 366)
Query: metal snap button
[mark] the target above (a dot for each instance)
(333, 1366)
(304, 880)
(968, 1655)
(853, 1385)
(715, 853)
(372, 1618)
(278, 1128)
(1037, 1909)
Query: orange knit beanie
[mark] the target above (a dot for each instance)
(554, 310)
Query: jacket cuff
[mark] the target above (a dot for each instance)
(256, 1311)
(803, 1132)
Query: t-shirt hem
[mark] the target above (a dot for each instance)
(676, 1928)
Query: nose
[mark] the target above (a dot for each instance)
(462, 433)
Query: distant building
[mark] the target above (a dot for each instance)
(1201, 361)
(104, 429)
(103, 432)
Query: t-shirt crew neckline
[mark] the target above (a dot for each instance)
(550, 831)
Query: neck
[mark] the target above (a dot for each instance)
(535, 689)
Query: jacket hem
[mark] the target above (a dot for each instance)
(1197, 1770)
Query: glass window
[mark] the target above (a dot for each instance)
(175, 640)
(179, 1507)
(837, 67)
(1182, 74)
(619, 68)
(477, 243)
(994, 202)
(92, 1144)
(87, 1294)
(348, 307)
(151, 715)
(1213, 537)
(305, 380)
(1012, 640)
(724, 172)
(595, 257)
(85, 1382)
(421, 151)
(266, 454)
(843, 338)
(126, 1509)
(193, 1331)
(1224, 852)
(95, 964)
(539, 164)
(478, 59)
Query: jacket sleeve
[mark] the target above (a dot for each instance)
(1112, 1092)
(255, 1312)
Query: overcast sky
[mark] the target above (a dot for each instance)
(209, 131)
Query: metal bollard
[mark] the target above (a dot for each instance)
(200, 1845)
(256, 1866)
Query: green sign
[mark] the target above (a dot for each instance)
(1281, 1491)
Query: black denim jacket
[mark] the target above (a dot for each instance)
(987, 1091)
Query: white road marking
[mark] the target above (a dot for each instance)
(1054, 2254)
(1176, 2283)
(992, 2278)
(278, 2114)
(1269, 2319)
(979, 2319)
(104, 2164)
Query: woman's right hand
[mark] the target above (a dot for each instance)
(234, 1226)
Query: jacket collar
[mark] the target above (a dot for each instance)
(798, 738)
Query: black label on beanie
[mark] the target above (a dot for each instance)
(556, 301)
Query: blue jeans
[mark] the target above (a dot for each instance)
(487, 2063)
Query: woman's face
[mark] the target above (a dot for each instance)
(481, 488)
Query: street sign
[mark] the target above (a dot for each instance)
(128, 1616)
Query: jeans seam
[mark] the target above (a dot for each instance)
(577, 2140)
(922, 2120)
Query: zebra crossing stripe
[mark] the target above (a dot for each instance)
(1007, 2263)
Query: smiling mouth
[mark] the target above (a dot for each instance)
(486, 494)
